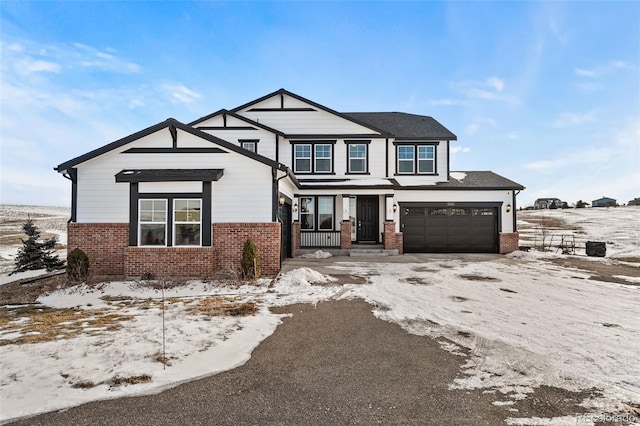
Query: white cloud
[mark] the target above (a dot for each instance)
(180, 93)
(445, 102)
(572, 119)
(29, 66)
(459, 149)
(478, 124)
(600, 70)
(491, 88)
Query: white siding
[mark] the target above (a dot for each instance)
(157, 187)
(266, 146)
(243, 194)
(504, 197)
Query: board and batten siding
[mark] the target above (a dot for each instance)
(476, 196)
(266, 146)
(243, 194)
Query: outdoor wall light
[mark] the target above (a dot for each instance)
(508, 208)
(281, 200)
(295, 207)
(395, 208)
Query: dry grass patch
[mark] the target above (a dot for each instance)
(34, 324)
(222, 306)
(131, 380)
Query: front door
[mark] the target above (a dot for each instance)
(367, 219)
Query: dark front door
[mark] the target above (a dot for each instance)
(284, 214)
(367, 219)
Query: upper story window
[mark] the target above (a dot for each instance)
(415, 159)
(313, 157)
(357, 161)
(249, 144)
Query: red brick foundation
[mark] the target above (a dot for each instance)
(508, 242)
(104, 244)
(229, 238)
(107, 245)
(345, 235)
(392, 240)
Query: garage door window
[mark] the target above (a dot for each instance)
(460, 212)
(483, 212)
(437, 212)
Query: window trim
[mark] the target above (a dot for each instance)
(366, 144)
(205, 215)
(316, 213)
(254, 142)
(313, 168)
(416, 161)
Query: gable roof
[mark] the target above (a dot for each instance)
(404, 125)
(239, 117)
(171, 124)
(282, 92)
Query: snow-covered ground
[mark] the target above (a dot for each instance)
(51, 221)
(618, 227)
(527, 322)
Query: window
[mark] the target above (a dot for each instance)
(186, 222)
(152, 228)
(307, 213)
(357, 154)
(426, 159)
(322, 219)
(405, 158)
(325, 213)
(249, 145)
(416, 159)
(313, 157)
(302, 159)
(323, 158)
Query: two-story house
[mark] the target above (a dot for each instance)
(181, 199)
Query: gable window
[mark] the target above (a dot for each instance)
(152, 228)
(357, 158)
(186, 222)
(313, 157)
(249, 146)
(414, 159)
(302, 159)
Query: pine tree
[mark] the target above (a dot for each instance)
(36, 254)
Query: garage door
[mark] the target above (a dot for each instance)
(444, 229)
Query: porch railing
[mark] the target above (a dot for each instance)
(320, 239)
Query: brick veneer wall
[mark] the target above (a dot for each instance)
(295, 238)
(107, 245)
(229, 238)
(508, 242)
(392, 240)
(104, 243)
(195, 262)
(345, 235)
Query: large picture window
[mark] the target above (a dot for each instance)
(313, 157)
(186, 222)
(416, 159)
(317, 213)
(152, 229)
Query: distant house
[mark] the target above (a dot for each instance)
(634, 202)
(604, 202)
(550, 203)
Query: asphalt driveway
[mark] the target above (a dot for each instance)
(333, 363)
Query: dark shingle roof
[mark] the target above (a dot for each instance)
(404, 126)
(472, 180)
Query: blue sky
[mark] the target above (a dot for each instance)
(544, 93)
